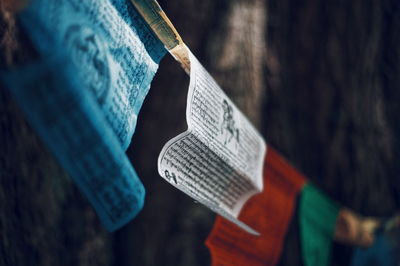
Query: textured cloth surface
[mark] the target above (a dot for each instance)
(269, 213)
(114, 52)
(317, 219)
(95, 62)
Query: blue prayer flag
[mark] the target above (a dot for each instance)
(96, 62)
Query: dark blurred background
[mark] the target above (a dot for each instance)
(319, 78)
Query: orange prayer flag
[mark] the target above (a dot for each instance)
(269, 213)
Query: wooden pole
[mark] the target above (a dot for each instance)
(163, 28)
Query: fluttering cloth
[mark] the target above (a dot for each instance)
(269, 213)
(83, 93)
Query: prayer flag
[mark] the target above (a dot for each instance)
(317, 219)
(83, 95)
(269, 213)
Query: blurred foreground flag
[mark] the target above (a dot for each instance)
(317, 219)
(269, 212)
(95, 65)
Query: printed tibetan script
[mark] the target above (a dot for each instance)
(218, 161)
(95, 62)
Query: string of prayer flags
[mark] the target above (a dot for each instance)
(215, 165)
(269, 213)
(317, 219)
(83, 96)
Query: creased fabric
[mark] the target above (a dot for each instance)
(269, 212)
(317, 219)
(82, 95)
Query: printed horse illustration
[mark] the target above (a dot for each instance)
(228, 128)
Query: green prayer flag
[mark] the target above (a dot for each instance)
(317, 216)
